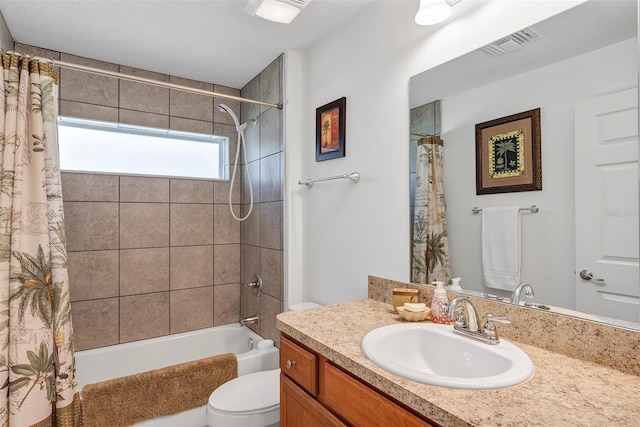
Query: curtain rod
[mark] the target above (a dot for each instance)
(152, 82)
(92, 70)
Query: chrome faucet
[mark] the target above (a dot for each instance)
(528, 291)
(487, 334)
(249, 320)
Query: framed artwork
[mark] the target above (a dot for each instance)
(330, 130)
(508, 156)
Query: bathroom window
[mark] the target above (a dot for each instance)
(106, 147)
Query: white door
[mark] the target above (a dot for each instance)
(606, 185)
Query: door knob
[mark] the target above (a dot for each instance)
(587, 275)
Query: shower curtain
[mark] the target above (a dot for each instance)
(430, 244)
(36, 336)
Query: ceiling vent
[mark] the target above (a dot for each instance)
(281, 11)
(512, 42)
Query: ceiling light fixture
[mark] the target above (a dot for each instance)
(281, 11)
(434, 11)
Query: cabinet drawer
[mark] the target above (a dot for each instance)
(359, 404)
(299, 364)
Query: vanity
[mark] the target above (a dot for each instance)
(327, 380)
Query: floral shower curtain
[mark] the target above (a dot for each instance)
(430, 244)
(36, 337)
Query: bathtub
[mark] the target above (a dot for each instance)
(254, 354)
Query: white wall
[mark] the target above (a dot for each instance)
(349, 231)
(6, 41)
(548, 254)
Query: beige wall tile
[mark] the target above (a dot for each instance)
(271, 83)
(88, 111)
(270, 132)
(226, 304)
(254, 171)
(143, 97)
(144, 189)
(270, 178)
(84, 187)
(141, 118)
(252, 141)
(250, 262)
(221, 191)
(86, 87)
(271, 263)
(38, 51)
(271, 225)
(191, 309)
(144, 271)
(91, 225)
(226, 264)
(250, 228)
(191, 125)
(270, 308)
(95, 323)
(191, 267)
(251, 91)
(226, 229)
(93, 275)
(144, 225)
(191, 105)
(191, 224)
(191, 191)
(144, 316)
(250, 306)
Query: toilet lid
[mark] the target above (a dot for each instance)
(253, 393)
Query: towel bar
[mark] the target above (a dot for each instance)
(532, 209)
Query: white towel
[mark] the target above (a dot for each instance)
(501, 247)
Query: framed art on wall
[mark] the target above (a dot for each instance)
(330, 130)
(508, 154)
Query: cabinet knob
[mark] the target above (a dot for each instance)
(291, 364)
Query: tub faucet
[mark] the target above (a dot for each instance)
(249, 320)
(487, 334)
(515, 296)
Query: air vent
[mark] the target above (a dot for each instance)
(512, 42)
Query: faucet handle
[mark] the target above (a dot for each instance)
(490, 329)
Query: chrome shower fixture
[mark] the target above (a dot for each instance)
(255, 285)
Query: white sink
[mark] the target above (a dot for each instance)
(432, 354)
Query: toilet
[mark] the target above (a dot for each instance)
(251, 400)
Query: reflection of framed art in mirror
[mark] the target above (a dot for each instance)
(508, 154)
(330, 130)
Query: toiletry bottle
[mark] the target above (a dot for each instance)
(439, 304)
(455, 284)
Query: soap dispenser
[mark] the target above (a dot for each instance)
(455, 284)
(439, 304)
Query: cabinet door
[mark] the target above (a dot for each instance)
(298, 409)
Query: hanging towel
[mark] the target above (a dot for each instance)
(501, 247)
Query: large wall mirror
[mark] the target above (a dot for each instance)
(580, 68)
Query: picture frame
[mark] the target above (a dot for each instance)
(330, 130)
(508, 154)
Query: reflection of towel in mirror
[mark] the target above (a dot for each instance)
(501, 247)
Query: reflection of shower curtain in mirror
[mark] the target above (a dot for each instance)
(430, 244)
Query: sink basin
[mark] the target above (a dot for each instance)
(433, 354)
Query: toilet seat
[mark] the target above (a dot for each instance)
(246, 400)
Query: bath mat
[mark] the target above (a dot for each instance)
(128, 400)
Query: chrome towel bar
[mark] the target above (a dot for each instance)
(532, 209)
(353, 177)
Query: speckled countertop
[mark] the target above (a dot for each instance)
(562, 392)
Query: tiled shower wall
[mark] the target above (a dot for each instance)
(262, 232)
(148, 256)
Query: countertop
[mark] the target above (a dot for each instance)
(562, 392)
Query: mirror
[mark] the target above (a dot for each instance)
(575, 59)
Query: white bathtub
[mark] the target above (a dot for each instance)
(254, 354)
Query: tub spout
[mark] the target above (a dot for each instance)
(249, 320)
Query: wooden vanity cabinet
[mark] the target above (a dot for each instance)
(315, 392)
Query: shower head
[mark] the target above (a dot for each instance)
(226, 109)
